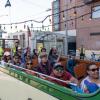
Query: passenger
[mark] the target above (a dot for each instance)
(7, 57)
(15, 48)
(71, 64)
(92, 82)
(17, 61)
(53, 56)
(29, 67)
(44, 66)
(43, 52)
(27, 58)
(35, 58)
(59, 73)
(35, 53)
(21, 54)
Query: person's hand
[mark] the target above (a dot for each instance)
(42, 77)
(68, 82)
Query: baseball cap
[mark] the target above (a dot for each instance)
(6, 53)
(58, 66)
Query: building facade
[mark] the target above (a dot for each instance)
(84, 17)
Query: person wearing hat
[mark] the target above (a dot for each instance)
(7, 57)
(59, 73)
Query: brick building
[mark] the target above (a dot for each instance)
(82, 16)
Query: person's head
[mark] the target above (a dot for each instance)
(58, 70)
(16, 43)
(44, 58)
(16, 58)
(27, 57)
(43, 50)
(19, 49)
(35, 51)
(93, 71)
(7, 56)
(53, 51)
(29, 64)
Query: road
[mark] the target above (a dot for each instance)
(13, 89)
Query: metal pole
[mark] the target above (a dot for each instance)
(66, 39)
(28, 41)
(66, 31)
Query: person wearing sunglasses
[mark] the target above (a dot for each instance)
(61, 74)
(92, 81)
(29, 65)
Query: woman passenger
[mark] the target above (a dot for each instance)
(92, 82)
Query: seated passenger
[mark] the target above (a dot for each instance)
(17, 60)
(59, 73)
(44, 66)
(35, 58)
(29, 67)
(71, 64)
(53, 56)
(92, 82)
(7, 57)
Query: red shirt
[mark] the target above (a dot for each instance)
(66, 76)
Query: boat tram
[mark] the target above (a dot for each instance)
(59, 92)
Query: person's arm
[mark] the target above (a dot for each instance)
(73, 80)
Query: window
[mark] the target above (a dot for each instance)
(96, 12)
(94, 34)
(56, 15)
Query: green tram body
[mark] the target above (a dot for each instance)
(60, 92)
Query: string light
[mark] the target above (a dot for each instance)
(16, 27)
(48, 28)
(82, 18)
(0, 26)
(24, 26)
(49, 19)
(75, 12)
(11, 26)
(45, 29)
(63, 16)
(58, 13)
(4, 28)
(42, 26)
(90, 18)
(31, 25)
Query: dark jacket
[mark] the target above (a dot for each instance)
(44, 69)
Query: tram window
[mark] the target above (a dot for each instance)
(96, 12)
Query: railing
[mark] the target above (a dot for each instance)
(50, 88)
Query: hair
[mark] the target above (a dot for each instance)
(43, 49)
(51, 51)
(45, 55)
(88, 65)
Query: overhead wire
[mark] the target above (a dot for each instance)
(53, 15)
(35, 20)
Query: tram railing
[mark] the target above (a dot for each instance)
(53, 89)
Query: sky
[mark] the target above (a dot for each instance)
(22, 10)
